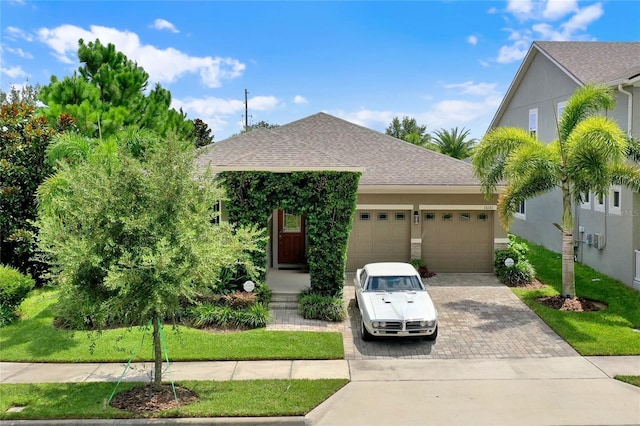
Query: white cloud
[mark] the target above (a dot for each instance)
(300, 100)
(515, 52)
(583, 18)
(14, 33)
(218, 113)
(163, 65)
(163, 24)
(20, 53)
(556, 9)
(471, 88)
(14, 72)
(472, 40)
(520, 7)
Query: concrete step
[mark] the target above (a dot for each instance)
(284, 301)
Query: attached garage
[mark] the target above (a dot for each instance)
(458, 241)
(379, 236)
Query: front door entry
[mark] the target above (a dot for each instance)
(291, 249)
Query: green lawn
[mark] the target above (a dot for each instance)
(216, 399)
(35, 339)
(606, 332)
(634, 380)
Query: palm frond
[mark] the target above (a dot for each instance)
(490, 156)
(626, 175)
(68, 147)
(585, 102)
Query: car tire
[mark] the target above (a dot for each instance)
(432, 337)
(366, 336)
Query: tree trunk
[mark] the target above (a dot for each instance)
(568, 276)
(157, 354)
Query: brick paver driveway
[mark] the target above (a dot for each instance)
(479, 318)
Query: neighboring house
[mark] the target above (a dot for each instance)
(412, 202)
(607, 230)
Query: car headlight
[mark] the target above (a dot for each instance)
(423, 323)
(431, 323)
(375, 324)
(383, 324)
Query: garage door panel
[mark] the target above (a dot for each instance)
(376, 240)
(462, 243)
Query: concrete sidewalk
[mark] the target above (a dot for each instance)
(523, 391)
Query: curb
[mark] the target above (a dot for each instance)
(218, 421)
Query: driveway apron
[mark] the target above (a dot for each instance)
(478, 318)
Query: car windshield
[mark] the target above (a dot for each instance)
(394, 283)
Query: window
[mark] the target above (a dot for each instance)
(533, 122)
(561, 106)
(615, 205)
(447, 217)
(365, 216)
(291, 222)
(429, 216)
(598, 202)
(401, 216)
(464, 217)
(483, 217)
(521, 212)
(383, 216)
(586, 201)
(217, 208)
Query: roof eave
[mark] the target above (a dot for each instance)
(423, 189)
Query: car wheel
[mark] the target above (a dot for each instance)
(366, 336)
(432, 337)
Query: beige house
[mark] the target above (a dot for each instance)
(412, 202)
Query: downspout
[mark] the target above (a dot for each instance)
(629, 109)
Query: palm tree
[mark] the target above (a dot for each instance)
(453, 143)
(589, 155)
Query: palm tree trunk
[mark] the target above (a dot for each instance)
(157, 354)
(568, 275)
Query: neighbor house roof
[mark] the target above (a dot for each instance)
(610, 63)
(324, 142)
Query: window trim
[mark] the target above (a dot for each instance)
(617, 210)
(533, 129)
(586, 204)
(597, 205)
(521, 214)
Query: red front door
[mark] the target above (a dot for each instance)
(291, 248)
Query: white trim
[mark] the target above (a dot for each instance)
(474, 207)
(522, 216)
(423, 189)
(617, 210)
(533, 112)
(562, 105)
(384, 206)
(416, 241)
(501, 241)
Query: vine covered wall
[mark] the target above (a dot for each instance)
(327, 199)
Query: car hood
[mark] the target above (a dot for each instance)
(400, 305)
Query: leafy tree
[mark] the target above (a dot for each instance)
(107, 94)
(259, 125)
(201, 133)
(589, 155)
(453, 143)
(24, 138)
(408, 130)
(135, 236)
(27, 94)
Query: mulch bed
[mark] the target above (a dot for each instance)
(144, 400)
(575, 304)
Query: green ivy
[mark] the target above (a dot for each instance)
(327, 199)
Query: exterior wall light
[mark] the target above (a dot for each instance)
(416, 217)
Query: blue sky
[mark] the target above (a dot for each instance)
(446, 63)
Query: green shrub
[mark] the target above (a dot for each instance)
(522, 272)
(326, 308)
(14, 288)
(210, 315)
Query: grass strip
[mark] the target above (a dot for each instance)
(35, 339)
(612, 331)
(633, 380)
(246, 398)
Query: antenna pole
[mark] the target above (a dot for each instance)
(246, 110)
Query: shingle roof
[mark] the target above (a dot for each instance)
(594, 62)
(324, 142)
(585, 62)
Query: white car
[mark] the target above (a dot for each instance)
(393, 302)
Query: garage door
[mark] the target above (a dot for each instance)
(455, 241)
(379, 236)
